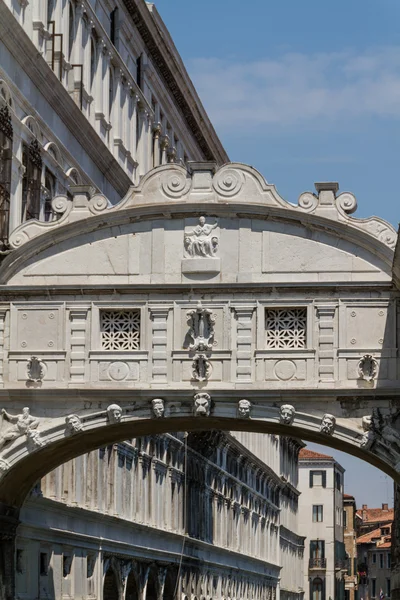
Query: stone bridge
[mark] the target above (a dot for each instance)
(203, 300)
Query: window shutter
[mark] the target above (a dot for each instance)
(324, 479)
(311, 479)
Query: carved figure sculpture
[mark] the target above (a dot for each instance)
(199, 242)
(158, 407)
(74, 424)
(367, 368)
(34, 440)
(202, 404)
(114, 413)
(21, 424)
(35, 369)
(287, 413)
(327, 424)
(201, 368)
(244, 408)
(368, 437)
(201, 322)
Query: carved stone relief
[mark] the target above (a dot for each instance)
(327, 424)
(201, 323)
(21, 424)
(202, 404)
(199, 242)
(35, 369)
(73, 424)
(34, 440)
(114, 413)
(201, 368)
(287, 413)
(244, 408)
(367, 368)
(157, 405)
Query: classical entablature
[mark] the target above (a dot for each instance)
(203, 300)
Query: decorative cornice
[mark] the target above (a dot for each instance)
(178, 82)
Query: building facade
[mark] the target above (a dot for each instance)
(165, 517)
(321, 481)
(350, 542)
(374, 549)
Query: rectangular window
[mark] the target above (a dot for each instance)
(317, 478)
(120, 329)
(389, 561)
(388, 588)
(373, 588)
(381, 560)
(6, 137)
(286, 328)
(317, 513)
(374, 558)
(43, 564)
(317, 549)
(31, 180)
(338, 482)
(344, 518)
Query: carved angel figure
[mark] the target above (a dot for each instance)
(21, 424)
(200, 242)
(202, 404)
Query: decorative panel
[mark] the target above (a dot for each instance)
(120, 329)
(285, 328)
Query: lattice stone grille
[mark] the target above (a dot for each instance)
(120, 329)
(286, 327)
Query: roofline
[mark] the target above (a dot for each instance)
(152, 30)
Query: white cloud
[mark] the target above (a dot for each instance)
(298, 88)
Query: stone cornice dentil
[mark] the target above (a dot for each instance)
(233, 189)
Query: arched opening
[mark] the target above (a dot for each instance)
(110, 586)
(152, 585)
(131, 587)
(171, 581)
(317, 589)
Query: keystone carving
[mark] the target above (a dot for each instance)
(367, 368)
(35, 369)
(157, 405)
(327, 424)
(287, 413)
(21, 424)
(114, 413)
(244, 408)
(200, 242)
(201, 368)
(201, 322)
(202, 404)
(73, 424)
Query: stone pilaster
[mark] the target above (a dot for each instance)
(78, 336)
(326, 342)
(159, 342)
(3, 314)
(244, 343)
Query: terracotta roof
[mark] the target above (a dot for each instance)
(375, 515)
(373, 536)
(305, 453)
(385, 545)
(348, 496)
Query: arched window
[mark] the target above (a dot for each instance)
(6, 137)
(317, 589)
(50, 192)
(110, 92)
(71, 29)
(131, 588)
(110, 590)
(32, 161)
(50, 9)
(92, 61)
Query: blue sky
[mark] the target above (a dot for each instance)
(304, 91)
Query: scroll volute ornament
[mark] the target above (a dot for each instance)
(201, 323)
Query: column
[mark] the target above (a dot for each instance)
(326, 342)
(78, 335)
(8, 532)
(244, 343)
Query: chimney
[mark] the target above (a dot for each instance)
(365, 506)
(385, 507)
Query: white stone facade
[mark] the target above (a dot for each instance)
(321, 483)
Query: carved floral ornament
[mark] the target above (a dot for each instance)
(35, 369)
(367, 368)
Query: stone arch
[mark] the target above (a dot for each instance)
(33, 126)
(132, 590)
(5, 94)
(54, 151)
(110, 585)
(152, 584)
(171, 583)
